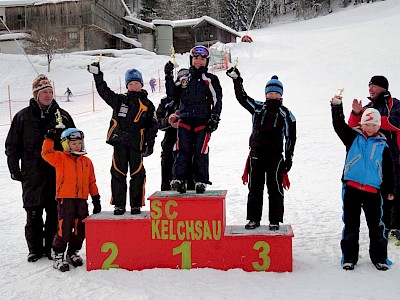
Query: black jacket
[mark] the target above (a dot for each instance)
(167, 107)
(24, 145)
(200, 96)
(133, 123)
(272, 124)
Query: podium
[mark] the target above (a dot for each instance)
(184, 231)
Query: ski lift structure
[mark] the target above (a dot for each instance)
(246, 38)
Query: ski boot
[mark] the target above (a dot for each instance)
(178, 185)
(119, 210)
(59, 262)
(200, 187)
(74, 259)
(252, 225)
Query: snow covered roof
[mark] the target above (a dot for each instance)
(12, 3)
(128, 40)
(12, 36)
(196, 22)
(140, 22)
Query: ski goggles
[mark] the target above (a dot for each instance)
(200, 51)
(76, 135)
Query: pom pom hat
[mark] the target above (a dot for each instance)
(274, 85)
(379, 81)
(371, 116)
(133, 75)
(40, 83)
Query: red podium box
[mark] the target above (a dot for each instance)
(184, 231)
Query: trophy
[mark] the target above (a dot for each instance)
(236, 63)
(337, 99)
(173, 57)
(60, 124)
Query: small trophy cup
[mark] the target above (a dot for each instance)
(337, 99)
(173, 57)
(60, 124)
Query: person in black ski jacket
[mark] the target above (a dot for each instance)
(23, 148)
(273, 124)
(132, 133)
(200, 105)
(368, 176)
(169, 107)
(389, 108)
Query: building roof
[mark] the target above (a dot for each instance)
(13, 3)
(13, 36)
(128, 40)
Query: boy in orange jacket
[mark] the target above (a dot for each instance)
(72, 190)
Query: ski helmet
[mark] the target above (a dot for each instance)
(72, 134)
(202, 51)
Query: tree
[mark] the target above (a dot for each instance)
(44, 43)
(150, 10)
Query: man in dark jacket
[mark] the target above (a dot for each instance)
(23, 149)
(273, 124)
(389, 108)
(132, 133)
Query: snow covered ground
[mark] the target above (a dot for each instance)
(313, 59)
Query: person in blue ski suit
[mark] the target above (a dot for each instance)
(368, 178)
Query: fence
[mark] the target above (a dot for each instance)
(79, 102)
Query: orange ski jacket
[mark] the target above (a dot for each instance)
(75, 176)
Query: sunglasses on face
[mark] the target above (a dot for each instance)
(200, 51)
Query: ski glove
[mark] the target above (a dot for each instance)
(148, 151)
(17, 176)
(285, 181)
(168, 70)
(233, 73)
(213, 123)
(336, 100)
(96, 204)
(94, 68)
(287, 165)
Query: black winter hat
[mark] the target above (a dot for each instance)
(379, 80)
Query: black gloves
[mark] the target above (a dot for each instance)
(96, 204)
(233, 73)
(52, 134)
(148, 150)
(94, 68)
(169, 70)
(287, 165)
(17, 176)
(213, 123)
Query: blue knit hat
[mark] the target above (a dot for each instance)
(133, 75)
(274, 85)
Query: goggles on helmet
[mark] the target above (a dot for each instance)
(200, 51)
(76, 135)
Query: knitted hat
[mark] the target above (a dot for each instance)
(379, 80)
(133, 75)
(371, 116)
(274, 85)
(40, 83)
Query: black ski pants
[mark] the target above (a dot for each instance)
(392, 207)
(192, 149)
(167, 163)
(39, 235)
(265, 169)
(353, 201)
(123, 157)
(71, 229)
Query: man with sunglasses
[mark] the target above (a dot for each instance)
(23, 149)
(200, 104)
(272, 144)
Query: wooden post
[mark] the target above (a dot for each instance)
(93, 95)
(9, 102)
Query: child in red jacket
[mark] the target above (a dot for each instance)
(75, 180)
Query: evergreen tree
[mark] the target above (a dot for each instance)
(150, 10)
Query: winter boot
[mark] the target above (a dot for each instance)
(178, 185)
(59, 262)
(32, 257)
(382, 266)
(395, 234)
(252, 225)
(200, 187)
(273, 227)
(135, 210)
(348, 266)
(74, 259)
(119, 210)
